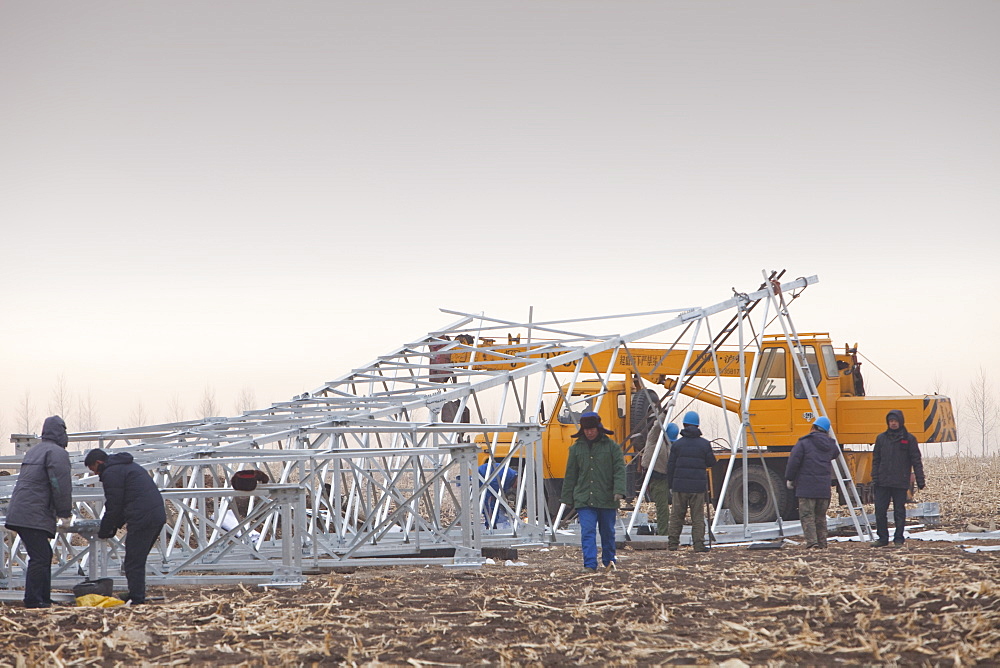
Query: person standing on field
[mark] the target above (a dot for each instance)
(595, 484)
(131, 498)
(809, 472)
(687, 476)
(502, 481)
(42, 493)
(895, 455)
(659, 490)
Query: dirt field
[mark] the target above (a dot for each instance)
(928, 603)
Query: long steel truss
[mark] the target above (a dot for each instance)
(378, 466)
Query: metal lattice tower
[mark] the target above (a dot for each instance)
(378, 466)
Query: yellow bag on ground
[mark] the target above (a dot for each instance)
(98, 601)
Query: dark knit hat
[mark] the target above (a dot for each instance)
(591, 420)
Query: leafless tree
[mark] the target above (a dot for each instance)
(959, 408)
(86, 416)
(26, 417)
(86, 413)
(982, 408)
(711, 426)
(137, 417)
(61, 400)
(175, 411)
(247, 400)
(209, 407)
(938, 387)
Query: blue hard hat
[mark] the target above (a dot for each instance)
(822, 422)
(673, 431)
(692, 418)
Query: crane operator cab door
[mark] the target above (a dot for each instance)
(825, 378)
(770, 407)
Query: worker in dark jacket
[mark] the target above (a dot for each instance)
(659, 490)
(809, 472)
(42, 493)
(895, 455)
(130, 498)
(595, 484)
(490, 475)
(690, 456)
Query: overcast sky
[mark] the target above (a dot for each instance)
(264, 195)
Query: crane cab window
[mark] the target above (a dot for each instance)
(813, 363)
(830, 362)
(579, 404)
(771, 379)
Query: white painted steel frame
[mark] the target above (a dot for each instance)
(391, 411)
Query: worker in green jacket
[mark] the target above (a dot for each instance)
(595, 485)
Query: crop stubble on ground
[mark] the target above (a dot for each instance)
(929, 603)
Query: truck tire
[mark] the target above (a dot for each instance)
(639, 413)
(763, 504)
(643, 403)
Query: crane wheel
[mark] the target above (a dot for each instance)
(763, 499)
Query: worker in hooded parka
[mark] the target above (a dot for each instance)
(132, 499)
(42, 494)
(895, 457)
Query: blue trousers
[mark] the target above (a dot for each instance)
(503, 518)
(593, 520)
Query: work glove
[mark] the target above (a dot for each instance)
(789, 484)
(64, 522)
(619, 498)
(104, 535)
(921, 486)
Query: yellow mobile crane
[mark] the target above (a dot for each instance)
(779, 412)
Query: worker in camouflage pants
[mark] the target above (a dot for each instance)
(659, 490)
(809, 472)
(687, 475)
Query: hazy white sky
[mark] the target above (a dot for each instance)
(264, 195)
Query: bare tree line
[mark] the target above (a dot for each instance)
(81, 414)
(980, 411)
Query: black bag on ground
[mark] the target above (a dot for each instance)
(101, 586)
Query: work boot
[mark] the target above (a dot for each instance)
(589, 569)
(880, 543)
(700, 547)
